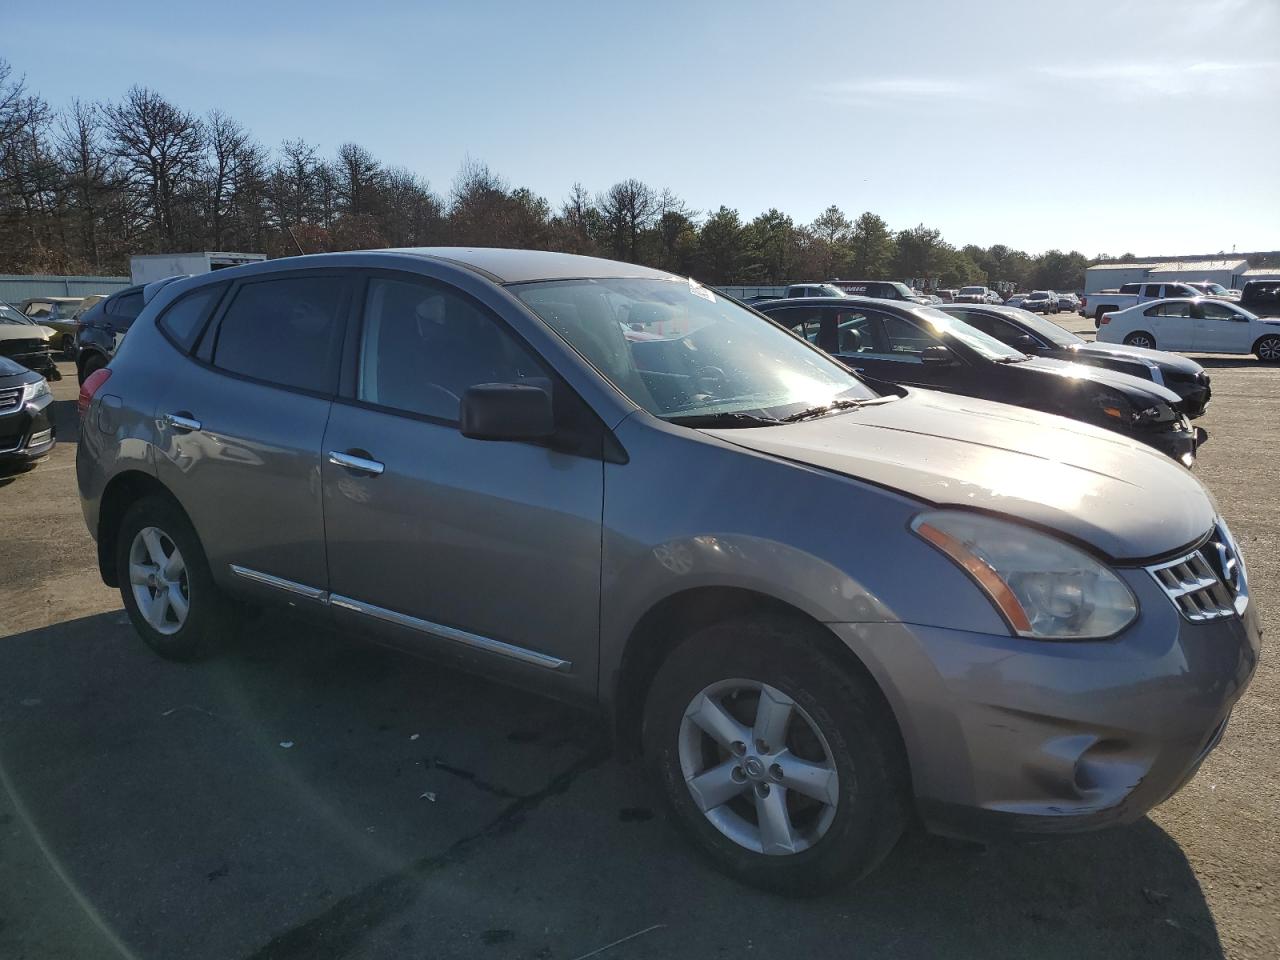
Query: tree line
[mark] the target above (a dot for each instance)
(83, 188)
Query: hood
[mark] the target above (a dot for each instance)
(23, 331)
(1143, 392)
(1161, 358)
(11, 368)
(1123, 498)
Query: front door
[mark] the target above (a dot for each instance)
(489, 550)
(889, 347)
(241, 425)
(1220, 329)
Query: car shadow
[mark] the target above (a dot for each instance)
(303, 794)
(66, 420)
(1227, 360)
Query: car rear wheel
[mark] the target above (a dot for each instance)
(92, 364)
(779, 763)
(165, 582)
(68, 346)
(1268, 349)
(1141, 338)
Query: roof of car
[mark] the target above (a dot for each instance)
(521, 266)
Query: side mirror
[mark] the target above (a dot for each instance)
(506, 411)
(1026, 343)
(938, 354)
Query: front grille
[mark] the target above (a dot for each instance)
(17, 348)
(1208, 583)
(10, 397)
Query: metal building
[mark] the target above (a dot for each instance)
(1107, 276)
(15, 287)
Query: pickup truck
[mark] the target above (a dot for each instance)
(1261, 298)
(1130, 295)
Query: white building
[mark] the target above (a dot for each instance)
(1261, 273)
(1229, 272)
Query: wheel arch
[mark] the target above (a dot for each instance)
(122, 491)
(671, 620)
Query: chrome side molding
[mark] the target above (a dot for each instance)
(280, 583)
(440, 631)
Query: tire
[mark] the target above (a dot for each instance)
(92, 365)
(208, 613)
(1267, 349)
(68, 346)
(1140, 338)
(838, 722)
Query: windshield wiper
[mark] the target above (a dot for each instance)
(1021, 359)
(727, 419)
(832, 407)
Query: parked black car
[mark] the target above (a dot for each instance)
(26, 429)
(923, 347)
(26, 342)
(1261, 298)
(1042, 337)
(103, 326)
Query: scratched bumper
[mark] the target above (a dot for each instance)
(1010, 736)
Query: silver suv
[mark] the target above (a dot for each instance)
(820, 607)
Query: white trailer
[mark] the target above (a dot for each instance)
(157, 266)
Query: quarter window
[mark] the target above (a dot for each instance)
(424, 345)
(183, 319)
(125, 308)
(285, 331)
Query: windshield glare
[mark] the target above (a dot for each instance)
(9, 315)
(678, 350)
(903, 289)
(948, 326)
(1046, 328)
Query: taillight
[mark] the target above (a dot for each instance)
(1106, 318)
(92, 384)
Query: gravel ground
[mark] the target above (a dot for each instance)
(303, 796)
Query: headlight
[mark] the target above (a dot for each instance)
(1043, 587)
(34, 391)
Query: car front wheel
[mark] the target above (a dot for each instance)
(165, 582)
(781, 764)
(1268, 349)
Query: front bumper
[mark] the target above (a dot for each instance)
(1007, 736)
(1178, 440)
(27, 435)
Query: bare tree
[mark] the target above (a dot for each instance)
(160, 147)
(87, 170)
(628, 207)
(227, 141)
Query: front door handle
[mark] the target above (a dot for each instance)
(356, 463)
(180, 423)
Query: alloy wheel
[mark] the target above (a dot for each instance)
(758, 767)
(158, 576)
(1269, 349)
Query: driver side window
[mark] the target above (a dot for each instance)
(423, 345)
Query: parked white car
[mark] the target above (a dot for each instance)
(1202, 324)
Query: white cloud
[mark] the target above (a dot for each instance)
(1166, 78)
(902, 88)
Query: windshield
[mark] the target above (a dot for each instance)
(9, 315)
(988, 346)
(679, 350)
(1046, 328)
(903, 289)
(972, 290)
(830, 290)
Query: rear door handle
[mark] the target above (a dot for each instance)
(180, 423)
(358, 464)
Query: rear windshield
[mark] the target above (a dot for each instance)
(973, 290)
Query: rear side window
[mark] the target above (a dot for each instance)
(183, 319)
(1153, 290)
(38, 310)
(124, 309)
(286, 331)
(1168, 310)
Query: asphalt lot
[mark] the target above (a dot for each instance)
(307, 796)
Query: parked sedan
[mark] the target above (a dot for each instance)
(1203, 325)
(1040, 301)
(1041, 337)
(26, 429)
(820, 608)
(58, 314)
(924, 347)
(27, 342)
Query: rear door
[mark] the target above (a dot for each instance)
(1171, 324)
(487, 550)
(241, 425)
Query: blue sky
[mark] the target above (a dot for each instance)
(1102, 125)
